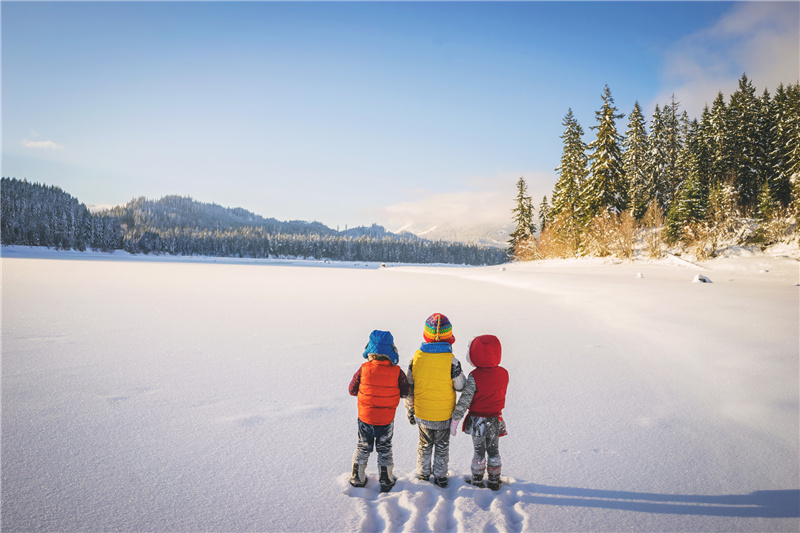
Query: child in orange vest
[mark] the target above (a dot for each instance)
(485, 396)
(379, 384)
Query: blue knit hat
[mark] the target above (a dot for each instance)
(382, 342)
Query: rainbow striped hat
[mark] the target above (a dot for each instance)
(438, 329)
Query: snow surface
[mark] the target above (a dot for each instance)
(188, 394)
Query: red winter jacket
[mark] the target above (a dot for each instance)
(491, 380)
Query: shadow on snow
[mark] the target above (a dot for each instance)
(758, 504)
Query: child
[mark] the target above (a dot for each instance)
(379, 384)
(434, 376)
(485, 396)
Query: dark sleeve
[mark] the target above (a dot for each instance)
(402, 382)
(355, 382)
(455, 369)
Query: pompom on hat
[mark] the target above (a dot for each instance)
(438, 329)
(382, 342)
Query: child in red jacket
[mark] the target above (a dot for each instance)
(379, 384)
(485, 396)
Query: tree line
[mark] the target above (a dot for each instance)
(41, 215)
(689, 183)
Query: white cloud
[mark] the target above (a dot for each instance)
(45, 145)
(760, 39)
(482, 201)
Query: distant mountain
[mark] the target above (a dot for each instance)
(182, 212)
(495, 236)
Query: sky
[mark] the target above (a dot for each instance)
(405, 114)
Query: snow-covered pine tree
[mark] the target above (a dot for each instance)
(785, 137)
(674, 169)
(525, 227)
(687, 128)
(743, 142)
(793, 131)
(764, 141)
(687, 211)
(544, 215)
(604, 189)
(716, 132)
(656, 169)
(695, 151)
(634, 160)
(572, 170)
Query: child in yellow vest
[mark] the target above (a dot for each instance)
(434, 376)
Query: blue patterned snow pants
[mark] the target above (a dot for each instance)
(379, 437)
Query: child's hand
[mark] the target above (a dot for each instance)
(454, 427)
(411, 418)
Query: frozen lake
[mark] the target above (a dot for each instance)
(152, 394)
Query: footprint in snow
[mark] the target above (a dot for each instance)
(419, 506)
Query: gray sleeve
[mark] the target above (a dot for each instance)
(465, 400)
(459, 379)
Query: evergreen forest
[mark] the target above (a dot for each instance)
(40, 215)
(732, 176)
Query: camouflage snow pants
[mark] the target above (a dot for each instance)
(379, 437)
(486, 444)
(436, 443)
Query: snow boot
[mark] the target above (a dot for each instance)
(359, 476)
(440, 482)
(387, 480)
(476, 480)
(424, 477)
(494, 481)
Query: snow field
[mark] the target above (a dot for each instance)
(188, 395)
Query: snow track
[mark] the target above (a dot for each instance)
(419, 506)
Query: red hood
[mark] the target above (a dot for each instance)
(484, 351)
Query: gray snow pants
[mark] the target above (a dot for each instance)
(485, 443)
(379, 437)
(436, 443)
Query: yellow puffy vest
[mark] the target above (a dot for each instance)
(434, 397)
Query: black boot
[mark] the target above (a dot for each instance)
(359, 477)
(476, 480)
(387, 480)
(440, 482)
(494, 481)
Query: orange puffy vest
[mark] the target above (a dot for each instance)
(378, 392)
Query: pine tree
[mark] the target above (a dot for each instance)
(605, 189)
(525, 227)
(544, 215)
(793, 131)
(721, 166)
(688, 209)
(785, 139)
(743, 142)
(656, 169)
(634, 160)
(572, 171)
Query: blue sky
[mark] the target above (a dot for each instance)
(358, 112)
